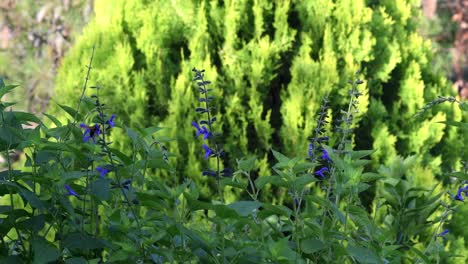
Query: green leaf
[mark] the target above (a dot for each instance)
(53, 119)
(312, 245)
(72, 112)
(270, 209)
(151, 200)
(224, 212)
(421, 255)
(101, 188)
(301, 182)
(234, 183)
(363, 255)
(370, 176)
(196, 204)
(33, 200)
(463, 106)
(280, 157)
(150, 131)
(245, 208)
(273, 180)
(44, 252)
(83, 242)
(35, 223)
(76, 261)
(358, 154)
(247, 163)
(4, 89)
(25, 117)
(124, 158)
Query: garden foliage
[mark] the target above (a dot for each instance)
(78, 199)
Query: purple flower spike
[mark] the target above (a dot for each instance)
(70, 191)
(321, 172)
(111, 121)
(201, 131)
(102, 171)
(325, 155)
(208, 151)
(311, 150)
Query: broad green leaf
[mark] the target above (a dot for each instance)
(152, 201)
(196, 204)
(72, 112)
(234, 183)
(76, 260)
(463, 106)
(101, 188)
(24, 117)
(33, 200)
(4, 89)
(280, 157)
(35, 223)
(224, 211)
(363, 255)
(358, 154)
(53, 119)
(302, 181)
(150, 131)
(83, 242)
(44, 252)
(247, 163)
(273, 180)
(245, 208)
(312, 245)
(270, 209)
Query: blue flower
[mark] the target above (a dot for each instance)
(322, 139)
(443, 233)
(459, 195)
(208, 151)
(90, 132)
(321, 172)
(111, 121)
(102, 171)
(201, 131)
(209, 173)
(325, 155)
(70, 191)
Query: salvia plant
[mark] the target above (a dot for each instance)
(74, 198)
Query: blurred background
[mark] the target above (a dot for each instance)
(34, 37)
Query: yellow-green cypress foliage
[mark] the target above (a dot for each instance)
(270, 63)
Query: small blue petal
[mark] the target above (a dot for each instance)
(70, 191)
(208, 151)
(111, 120)
(321, 172)
(325, 155)
(443, 233)
(102, 171)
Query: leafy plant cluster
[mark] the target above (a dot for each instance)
(78, 199)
